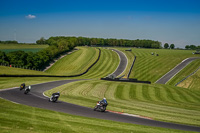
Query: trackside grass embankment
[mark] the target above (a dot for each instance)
(106, 65)
(76, 62)
(185, 72)
(5, 70)
(160, 102)
(20, 118)
(10, 82)
(192, 83)
(149, 67)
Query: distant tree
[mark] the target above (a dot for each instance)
(193, 47)
(41, 41)
(187, 47)
(172, 46)
(166, 45)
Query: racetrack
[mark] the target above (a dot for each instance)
(164, 79)
(36, 99)
(123, 63)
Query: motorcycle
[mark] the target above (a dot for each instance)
(22, 86)
(54, 98)
(101, 106)
(27, 90)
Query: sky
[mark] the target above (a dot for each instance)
(167, 21)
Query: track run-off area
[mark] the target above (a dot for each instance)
(36, 98)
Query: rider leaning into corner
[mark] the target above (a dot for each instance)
(104, 101)
(57, 93)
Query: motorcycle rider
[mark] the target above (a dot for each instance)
(57, 93)
(104, 101)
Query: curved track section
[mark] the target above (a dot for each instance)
(164, 79)
(123, 63)
(36, 99)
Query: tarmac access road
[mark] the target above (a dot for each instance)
(36, 99)
(164, 79)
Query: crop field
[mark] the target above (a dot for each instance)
(160, 102)
(75, 63)
(149, 67)
(185, 72)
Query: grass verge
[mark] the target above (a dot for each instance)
(20, 118)
(185, 72)
(160, 102)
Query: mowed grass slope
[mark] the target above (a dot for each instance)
(20, 118)
(149, 67)
(192, 83)
(24, 47)
(21, 46)
(106, 65)
(10, 82)
(160, 102)
(5, 70)
(185, 72)
(76, 62)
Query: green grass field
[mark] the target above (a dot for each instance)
(160, 102)
(23, 47)
(19, 71)
(185, 72)
(9, 82)
(149, 67)
(192, 83)
(20, 118)
(75, 63)
(106, 65)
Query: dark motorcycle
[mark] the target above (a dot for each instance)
(22, 86)
(54, 98)
(101, 106)
(27, 90)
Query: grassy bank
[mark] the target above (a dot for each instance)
(76, 62)
(20, 118)
(106, 65)
(192, 83)
(150, 67)
(160, 102)
(19, 71)
(10, 82)
(185, 72)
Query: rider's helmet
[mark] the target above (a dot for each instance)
(29, 87)
(58, 92)
(104, 98)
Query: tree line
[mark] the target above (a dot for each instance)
(192, 47)
(81, 41)
(59, 45)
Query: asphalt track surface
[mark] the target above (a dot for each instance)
(164, 79)
(123, 63)
(36, 99)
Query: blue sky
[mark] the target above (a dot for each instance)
(168, 21)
